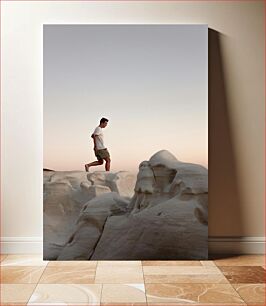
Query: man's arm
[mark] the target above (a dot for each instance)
(94, 141)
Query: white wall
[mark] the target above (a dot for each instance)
(236, 122)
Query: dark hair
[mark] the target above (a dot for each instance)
(103, 120)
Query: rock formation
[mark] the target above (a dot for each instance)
(67, 193)
(163, 214)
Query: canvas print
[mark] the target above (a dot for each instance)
(125, 170)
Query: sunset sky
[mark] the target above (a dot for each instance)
(150, 81)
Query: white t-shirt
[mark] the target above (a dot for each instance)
(99, 139)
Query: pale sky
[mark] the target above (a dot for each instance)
(150, 81)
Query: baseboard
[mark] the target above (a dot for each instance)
(236, 245)
(217, 245)
(21, 245)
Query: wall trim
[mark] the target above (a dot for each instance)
(21, 245)
(217, 245)
(236, 245)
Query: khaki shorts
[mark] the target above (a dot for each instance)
(102, 154)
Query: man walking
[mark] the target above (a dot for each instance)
(100, 150)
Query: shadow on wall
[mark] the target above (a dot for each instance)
(225, 217)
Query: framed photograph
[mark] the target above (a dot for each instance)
(125, 174)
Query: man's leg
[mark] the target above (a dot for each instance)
(95, 163)
(107, 163)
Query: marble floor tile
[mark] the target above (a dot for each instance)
(21, 274)
(24, 260)
(244, 274)
(120, 263)
(127, 304)
(183, 274)
(192, 293)
(2, 256)
(73, 263)
(241, 260)
(66, 294)
(195, 304)
(16, 293)
(119, 274)
(68, 275)
(251, 293)
(14, 304)
(171, 263)
(123, 293)
(209, 263)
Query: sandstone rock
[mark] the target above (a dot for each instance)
(161, 215)
(167, 216)
(96, 190)
(90, 225)
(64, 196)
(166, 231)
(121, 182)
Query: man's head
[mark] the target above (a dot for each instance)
(103, 122)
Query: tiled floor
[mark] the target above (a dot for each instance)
(230, 280)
